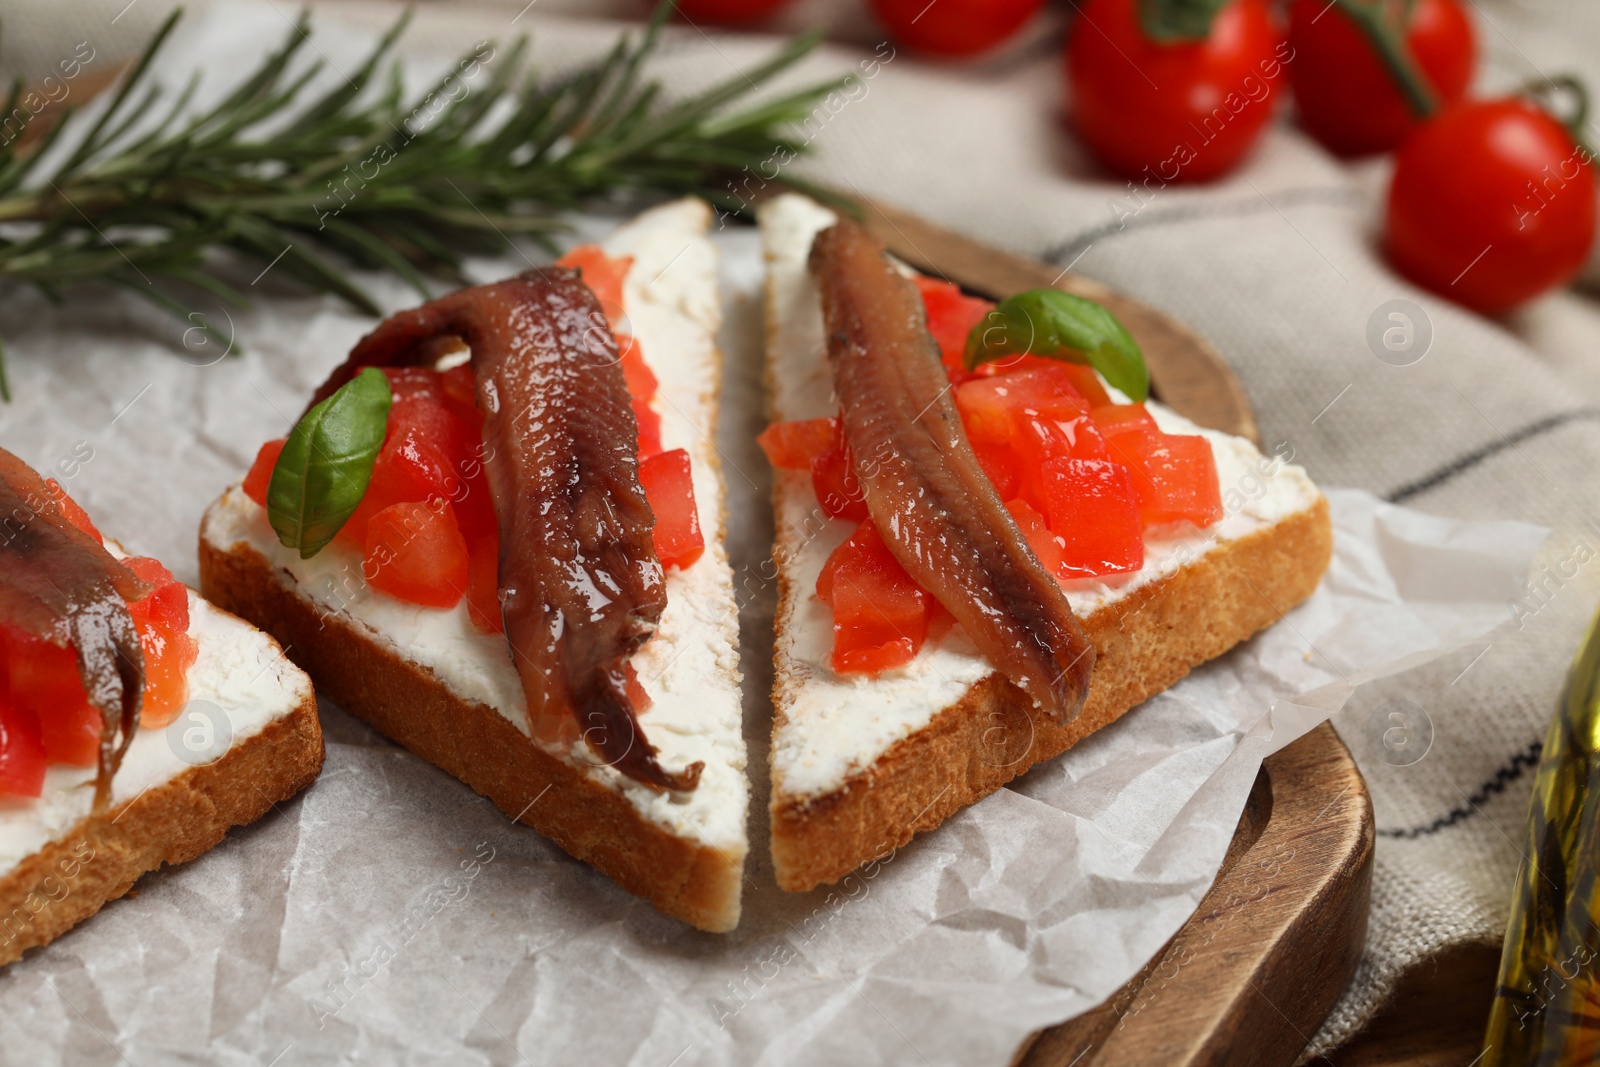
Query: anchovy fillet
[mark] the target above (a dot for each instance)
(581, 588)
(936, 510)
(59, 584)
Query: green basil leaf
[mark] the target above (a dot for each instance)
(327, 462)
(1178, 21)
(1057, 325)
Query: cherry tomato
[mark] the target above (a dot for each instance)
(1346, 97)
(1491, 203)
(728, 12)
(954, 28)
(1168, 112)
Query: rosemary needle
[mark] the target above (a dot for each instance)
(361, 177)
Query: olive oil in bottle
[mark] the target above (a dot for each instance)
(1546, 1008)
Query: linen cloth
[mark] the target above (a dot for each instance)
(1277, 265)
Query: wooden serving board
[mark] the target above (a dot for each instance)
(1253, 974)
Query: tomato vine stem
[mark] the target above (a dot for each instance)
(1389, 40)
(1178, 21)
(1544, 91)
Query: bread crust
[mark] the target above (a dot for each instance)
(1145, 643)
(689, 880)
(72, 877)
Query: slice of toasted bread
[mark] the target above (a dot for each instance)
(448, 692)
(862, 764)
(170, 799)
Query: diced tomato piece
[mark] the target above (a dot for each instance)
(415, 552)
(603, 274)
(168, 603)
(260, 476)
(431, 425)
(1093, 508)
(353, 533)
(1000, 463)
(985, 408)
(22, 758)
(998, 368)
(1113, 419)
(875, 659)
(483, 585)
(1046, 545)
(475, 513)
(431, 452)
(793, 445)
(1087, 440)
(1050, 388)
(670, 489)
(642, 381)
(951, 316)
(474, 506)
(637, 695)
(162, 619)
(1082, 379)
(1085, 381)
(833, 476)
(420, 456)
(71, 511)
(649, 420)
(1040, 439)
(42, 683)
(940, 621)
(1083, 438)
(880, 615)
(989, 405)
(71, 734)
(1175, 476)
(414, 383)
(460, 392)
(1037, 442)
(168, 655)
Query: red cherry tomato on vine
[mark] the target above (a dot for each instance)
(1181, 111)
(728, 12)
(954, 28)
(1492, 203)
(1347, 98)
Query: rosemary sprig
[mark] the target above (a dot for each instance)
(360, 176)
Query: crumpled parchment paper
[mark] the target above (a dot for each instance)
(390, 915)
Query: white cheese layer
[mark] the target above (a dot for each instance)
(690, 667)
(239, 672)
(834, 726)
